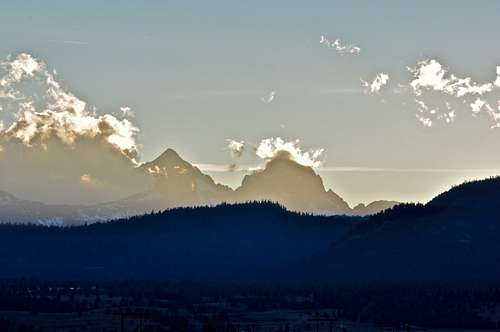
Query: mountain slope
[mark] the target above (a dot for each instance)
(228, 241)
(182, 184)
(295, 186)
(264, 242)
(455, 237)
(372, 208)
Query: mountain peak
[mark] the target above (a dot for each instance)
(293, 185)
(169, 154)
(170, 158)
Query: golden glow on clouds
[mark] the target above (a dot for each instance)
(86, 178)
(269, 148)
(42, 109)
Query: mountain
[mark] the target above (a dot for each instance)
(205, 243)
(18, 211)
(454, 237)
(295, 186)
(181, 184)
(372, 208)
(177, 183)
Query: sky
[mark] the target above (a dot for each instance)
(197, 74)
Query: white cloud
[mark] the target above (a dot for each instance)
(127, 112)
(431, 79)
(235, 147)
(477, 105)
(497, 81)
(427, 122)
(270, 148)
(376, 85)
(269, 97)
(42, 109)
(430, 75)
(339, 47)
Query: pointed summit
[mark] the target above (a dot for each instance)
(293, 185)
(181, 184)
(169, 158)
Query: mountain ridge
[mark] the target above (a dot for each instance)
(177, 183)
(263, 242)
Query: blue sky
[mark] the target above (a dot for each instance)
(194, 73)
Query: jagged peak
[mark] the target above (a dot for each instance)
(170, 158)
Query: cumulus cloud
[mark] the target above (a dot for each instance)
(270, 148)
(376, 85)
(477, 105)
(433, 84)
(340, 47)
(236, 148)
(269, 97)
(42, 109)
(430, 74)
(53, 142)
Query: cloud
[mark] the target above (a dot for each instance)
(339, 47)
(232, 168)
(433, 84)
(42, 109)
(224, 168)
(127, 112)
(269, 98)
(86, 178)
(427, 122)
(497, 81)
(477, 105)
(235, 147)
(376, 85)
(430, 75)
(270, 148)
(50, 138)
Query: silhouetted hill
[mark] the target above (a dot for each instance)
(455, 237)
(483, 194)
(240, 241)
(372, 208)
